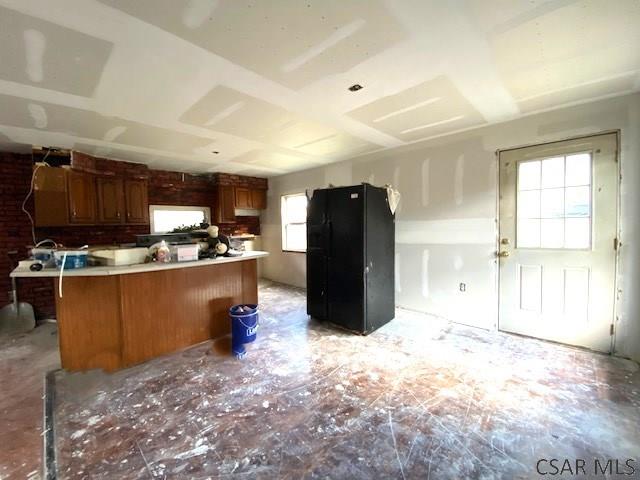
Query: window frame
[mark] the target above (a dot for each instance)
(176, 208)
(283, 201)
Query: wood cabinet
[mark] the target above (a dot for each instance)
(243, 197)
(65, 197)
(253, 198)
(50, 197)
(82, 197)
(136, 201)
(258, 199)
(111, 204)
(105, 322)
(228, 198)
(225, 208)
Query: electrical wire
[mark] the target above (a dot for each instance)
(64, 261)
(26, 199)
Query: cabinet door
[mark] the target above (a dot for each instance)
(258, 199)
(137, 204)
(50, 197)
(243, 197)
(81, 189)
(110, 200)
(225, 209)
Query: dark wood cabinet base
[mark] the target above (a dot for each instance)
(115, 321)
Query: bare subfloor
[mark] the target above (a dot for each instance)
(24, 360)
(419, 398)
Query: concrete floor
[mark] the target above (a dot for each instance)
(24, 360)
(420, 398)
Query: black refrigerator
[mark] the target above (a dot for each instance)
(350, 257)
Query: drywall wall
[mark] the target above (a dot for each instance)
(446, 223)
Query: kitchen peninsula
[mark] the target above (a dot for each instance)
(115, 317)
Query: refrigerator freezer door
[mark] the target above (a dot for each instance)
(317, 249)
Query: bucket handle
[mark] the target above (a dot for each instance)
(244, 324)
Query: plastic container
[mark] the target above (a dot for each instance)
(184, 253)
(44, 256)
(120, 256)
(163, 254)
(74, 259)
(244, 327)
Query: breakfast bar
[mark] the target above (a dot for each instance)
(115, 317)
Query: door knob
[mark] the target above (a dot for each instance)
(503, 254)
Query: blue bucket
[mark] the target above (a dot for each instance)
(244, 327)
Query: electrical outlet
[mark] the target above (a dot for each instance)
(463, 287)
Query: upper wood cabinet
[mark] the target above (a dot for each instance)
(136, 201)
(253, 198)
(258, 199)
(243, 197)
(82, 197)
(70, 197)
(50, 197)
(225, 204)
(111, 203)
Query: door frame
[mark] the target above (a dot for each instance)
(617, 133)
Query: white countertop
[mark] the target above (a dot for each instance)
(140, 268)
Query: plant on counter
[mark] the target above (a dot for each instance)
(186, 228)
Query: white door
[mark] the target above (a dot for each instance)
(557, 242)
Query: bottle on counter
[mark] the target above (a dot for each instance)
(163, 255)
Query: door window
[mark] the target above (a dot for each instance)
(553, 206)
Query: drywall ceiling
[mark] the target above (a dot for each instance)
(261, 87)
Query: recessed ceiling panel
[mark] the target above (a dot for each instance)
(595, 89)
(275, 160)
(427, 109)
(25, 113)
(335, 145)
(40, 53)
(227, 110)
(292, 42)
(114, 153)
(564, 50)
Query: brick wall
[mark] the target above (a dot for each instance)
(165, 188)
